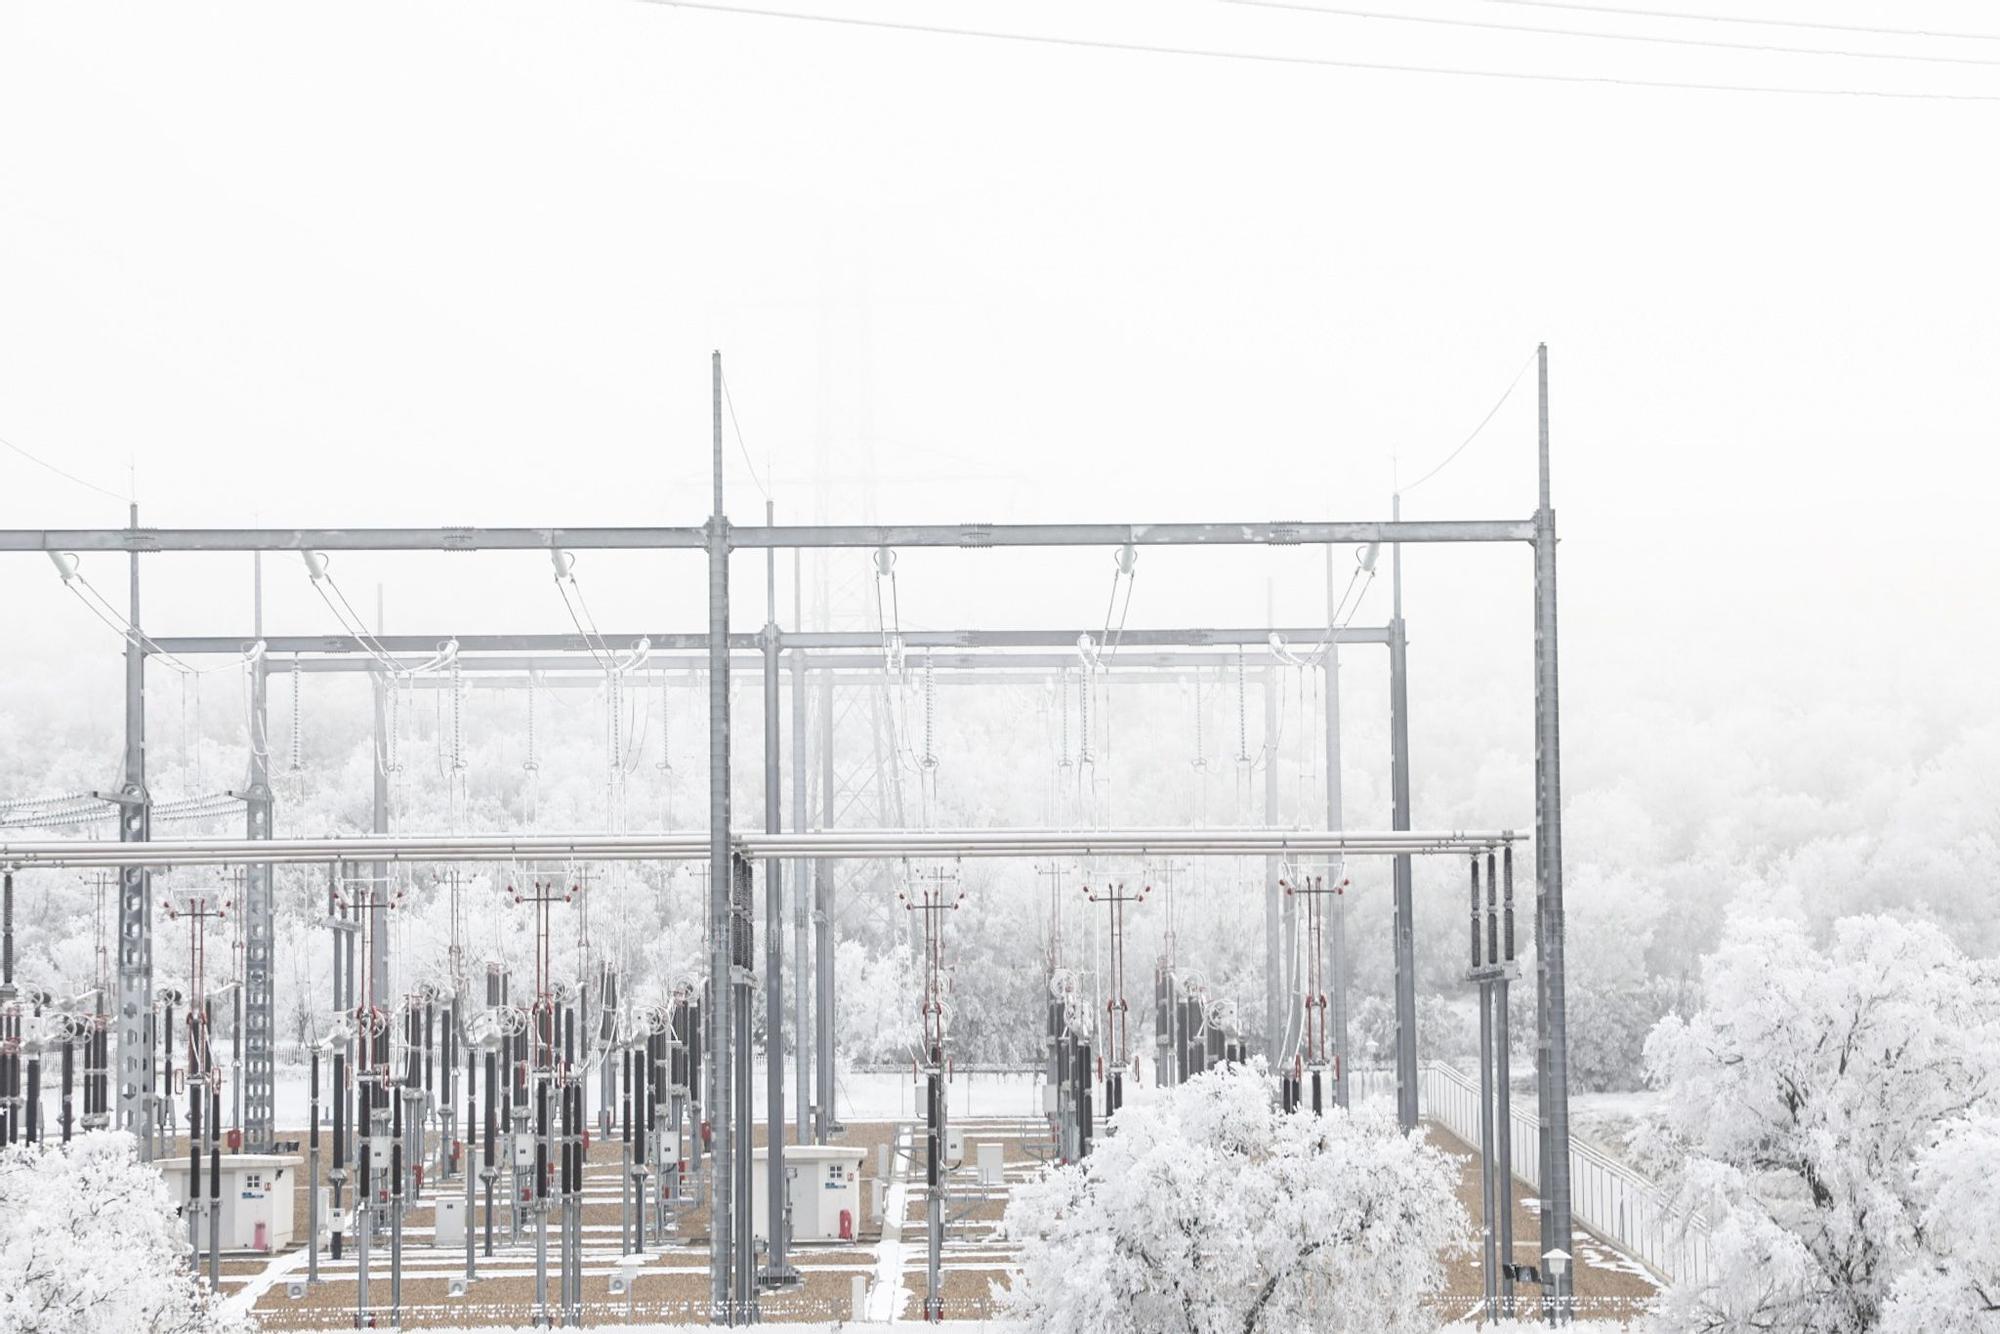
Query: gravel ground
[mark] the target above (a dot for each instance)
(674, 1284)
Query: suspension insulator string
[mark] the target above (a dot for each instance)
(1083, 718)
(532, 763)
(457, 719)
(930, 712)
(1062, 704)
(391, 749)
(298, 745)
(1242, 709)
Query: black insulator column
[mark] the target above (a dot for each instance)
(68, 1087)
(695, 1054)
(34, 1117)
(1083, 1087)
(642, 1060)
(1492, 913)
(166, 1059)
(448, 1083)
(214, 1180)
(194, 1172)
(541, 1139)
(364, 1188)
(486, 1150)
(569, 1092)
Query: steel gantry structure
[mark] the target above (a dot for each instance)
(730, 853)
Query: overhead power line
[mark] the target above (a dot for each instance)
(1809, 25)
(66, 476)
(1321, 62)
(1491, 412)
(1707, 43)
(737, 426)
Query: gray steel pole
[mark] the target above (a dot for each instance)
(1488, 1224)
(721, 876)
(1404, 942)
(378, 912)
(1275, 998)
(823, 928)
(774, 925)
(312, 1170)
(1503, 1117)
(259, 1008)
(802, 1043)
(135, 898)
(744, 1269)
(1336, 946)
(1556, 1224)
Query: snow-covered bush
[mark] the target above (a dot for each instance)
(1208, 1211)
(1820, 1101)
(89, 1243)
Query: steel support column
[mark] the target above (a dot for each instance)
(823, 1009)
(1336, 944)
(1275, 998)
(1556, 1220)
(743, 1273)
(259, 909)
(378, 887)
(802, 1041)
(774, 921)
(721, 876)
(1404, 940)
(135, 897)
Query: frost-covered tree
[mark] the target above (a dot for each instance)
(1819, 1100)
(879, 1019)
(1955, 1287)
(1209, 1211)
(89, 1242)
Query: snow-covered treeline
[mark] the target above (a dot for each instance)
(1820, 809)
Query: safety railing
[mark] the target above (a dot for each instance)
(1606, 1196)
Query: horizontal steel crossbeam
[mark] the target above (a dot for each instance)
(958, 667)
(811, 537)
(750, 642)
(693, 845)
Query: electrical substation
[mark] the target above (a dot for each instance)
(557, 1144)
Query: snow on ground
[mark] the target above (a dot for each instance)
(958, 1326)
(1473, 1327)
(1017, 1327)
(1608, 1120)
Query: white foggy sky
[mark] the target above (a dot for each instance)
(463, 263)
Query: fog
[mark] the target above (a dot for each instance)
(465, 264)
